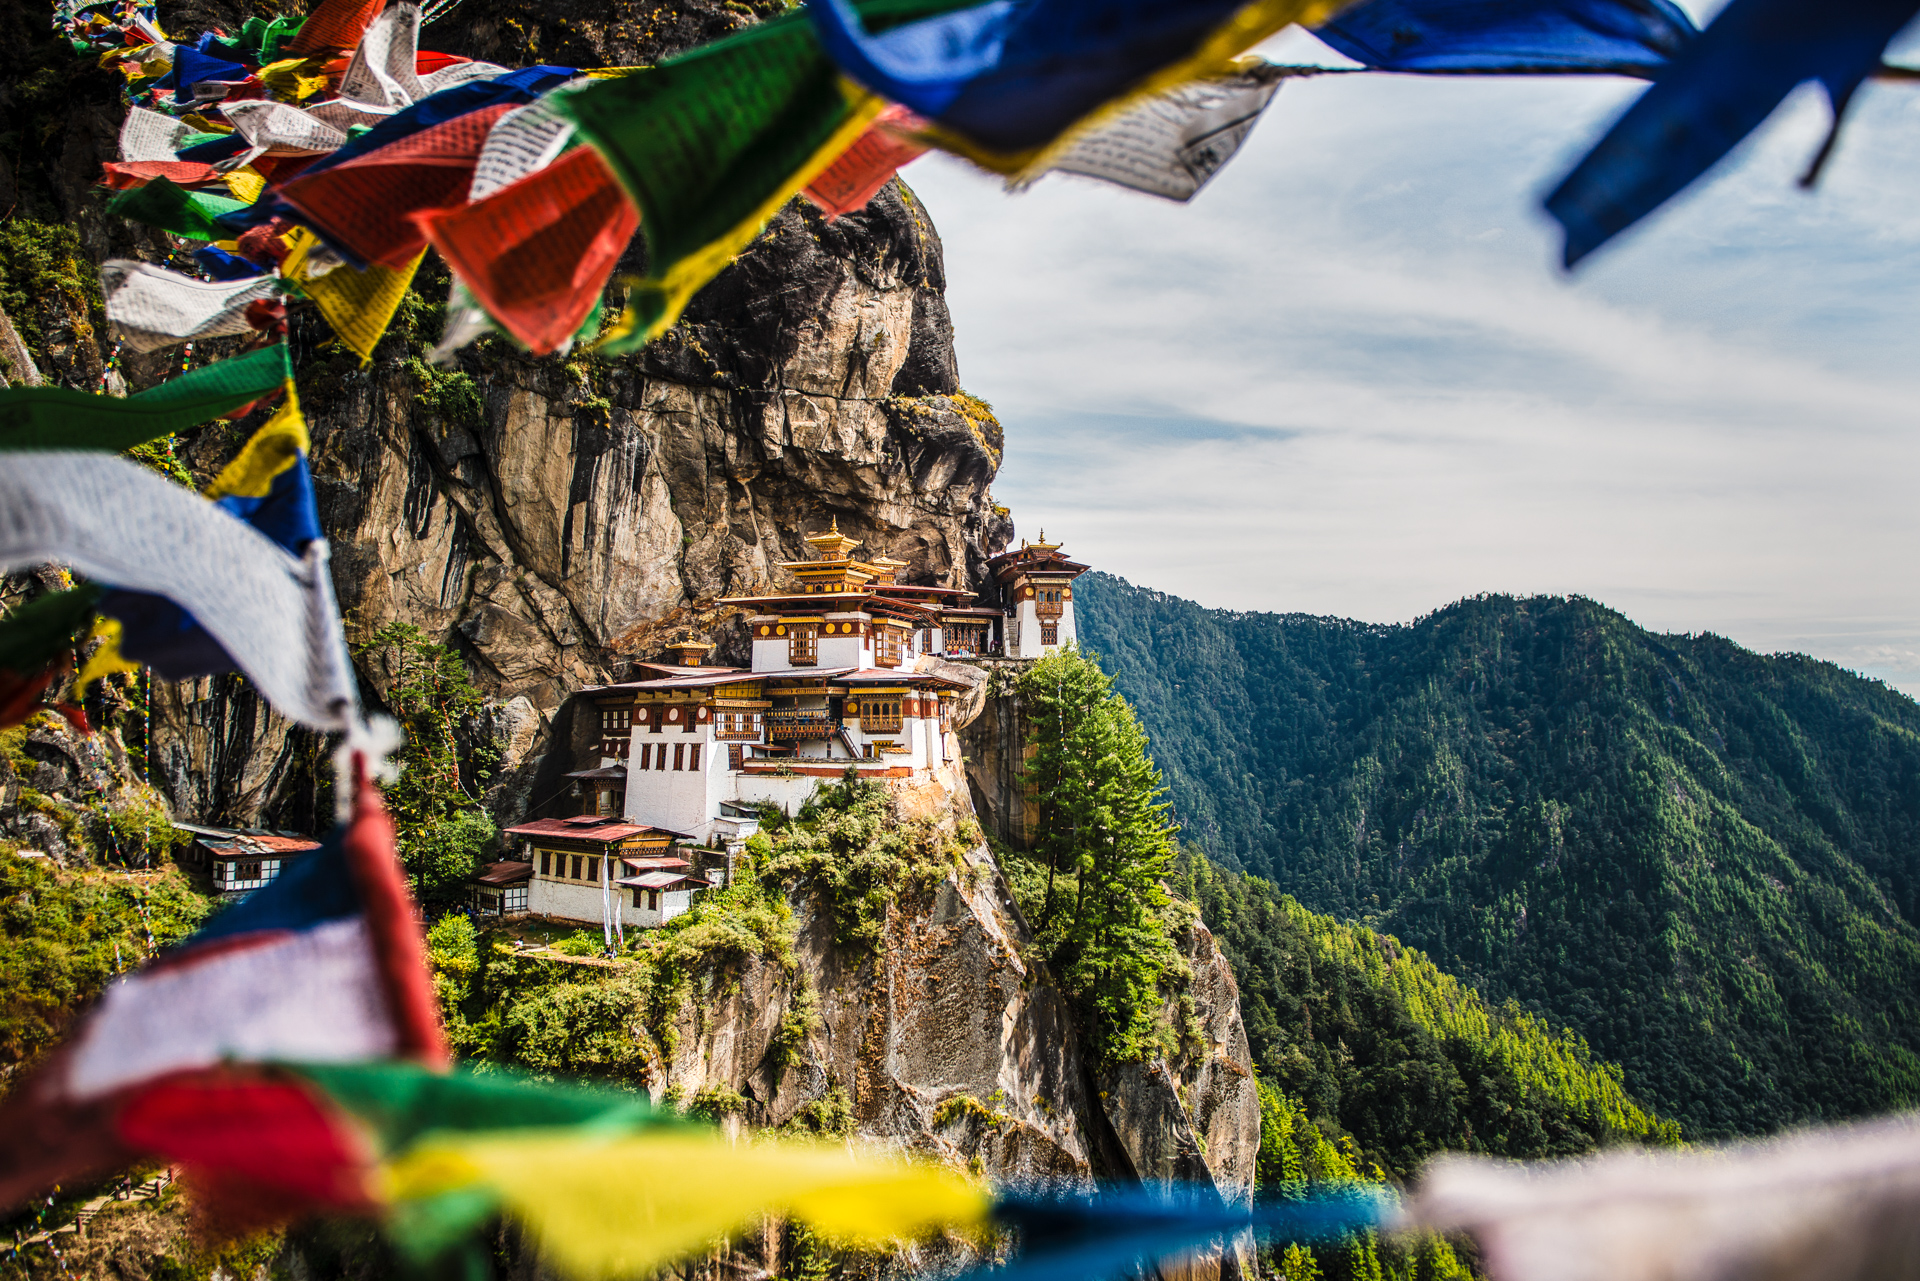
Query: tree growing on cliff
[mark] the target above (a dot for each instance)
(1105, 841)
(438, 823)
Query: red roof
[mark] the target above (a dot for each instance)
(604, 833)
(505, 873)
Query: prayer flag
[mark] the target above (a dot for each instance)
(163, 204)
(125, 175)
(191, 67)
(37, 644)
(1119, 1232)
(56, 418)
(281, 127)
(1171, 144)
(1839, 1203)
(151, 307)
(270, 488)
(1715, 93)
(1003, 81)
(148, 135)
(525, 139)
(625, 1205)
(359, 304)
(537, 253)
(711, 143)
(1625, 37)
(859, 172)
(364, 204)
(383, 71)
(116, 522)
(325, 964)
(335, 24)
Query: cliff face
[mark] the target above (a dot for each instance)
(948, 1039)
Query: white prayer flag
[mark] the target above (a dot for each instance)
(148, 135)
(382, 71)
(523, 140)
(282, 128)
(120, 524)
(1173, 143)
(1840, 1204)
(458, 74)
(152, 307)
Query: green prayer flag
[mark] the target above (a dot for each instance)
(171, 207)
(34, 633)
(56, 418)
(711, 143)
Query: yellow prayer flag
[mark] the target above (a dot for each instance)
(358, 304)
(294, 79)
(278, 445)
(621, 1205)
(106, 660)
(246, 184)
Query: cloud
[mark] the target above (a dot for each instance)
(1349, 378)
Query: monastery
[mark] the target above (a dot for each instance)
(688, 754)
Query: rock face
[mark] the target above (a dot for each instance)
(948, 1039)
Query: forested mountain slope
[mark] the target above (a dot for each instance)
(1704, 860)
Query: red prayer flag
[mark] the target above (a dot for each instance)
(364, 204)
(124, 175)
(851, 181)
(537, 253)
(426, 62)
(336, 24)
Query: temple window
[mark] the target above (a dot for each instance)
(800, 647)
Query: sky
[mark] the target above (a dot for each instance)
(1351, 378)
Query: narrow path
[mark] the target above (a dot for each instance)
(144, 1192)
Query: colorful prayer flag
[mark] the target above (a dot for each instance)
(1170, 144)
(358, 304)
(711, 143)
(859, 172)
(151, 307)
(1121, 1231)
(364, 205)
(1005, 80)
(325, 963)
(163, 204)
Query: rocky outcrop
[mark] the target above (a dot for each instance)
(951, 1039)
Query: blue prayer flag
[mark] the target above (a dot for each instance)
(1011, 75)
(1626, 37)
(1714, 94)
(1121, 1231)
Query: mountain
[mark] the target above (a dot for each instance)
(1704, 860)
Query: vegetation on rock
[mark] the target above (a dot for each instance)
(66, 933)
(1705, 861)
(438, 823)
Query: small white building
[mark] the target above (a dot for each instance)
(602, 869)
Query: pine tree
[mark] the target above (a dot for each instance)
(1103, 824)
